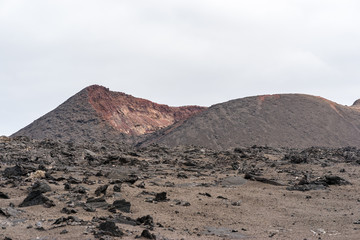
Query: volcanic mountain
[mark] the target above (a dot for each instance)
(286, 120)
(96, 113)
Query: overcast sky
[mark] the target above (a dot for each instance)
(188, 52)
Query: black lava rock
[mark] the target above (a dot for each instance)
(122, 205)
(146, 220)
(161, 197)
(41, 187)
(4, 196)
(109, 228)
(14, 171)
(101, 190)
(146, 234)
(117, 187)
(36, 198)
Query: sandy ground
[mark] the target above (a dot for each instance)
(201, 202)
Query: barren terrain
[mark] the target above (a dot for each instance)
(54, 190)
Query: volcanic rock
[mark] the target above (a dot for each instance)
(122, 205)
(161, 197)
(3, 195)
(10, 212)
(146, 234)
(101, 190)
(109, 228)
(14, 171)
(146, 220)
(36, 198)
(97, 202)
(42, 187)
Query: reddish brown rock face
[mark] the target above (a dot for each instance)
(135, 116)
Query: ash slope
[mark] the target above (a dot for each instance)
(96, 114)
(286, 120)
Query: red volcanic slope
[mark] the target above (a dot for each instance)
(135, 116)
(97, 113)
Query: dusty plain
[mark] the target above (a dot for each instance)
(109, 191)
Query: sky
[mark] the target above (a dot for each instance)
(188, 52)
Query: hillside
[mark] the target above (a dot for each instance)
(286, 120)
(96, 113)
(283, 120)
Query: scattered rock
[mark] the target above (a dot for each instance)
(146, 220)
(68, 211)
(319, 184)
(205, 194)
(80, 189)
(4, 196)
(10, 212)
(41, 186)
(182, 203)
(101, 190)
(182, 175)
(73, 180)
(334, 180)
(14, 171)
(122, 205)
(117, 188)
(109, 228)
(237, 203)
(141, 185)
(261, 179)
(224, 233)
(97, 202)
(36, 198)
(67, 220)
(146, 234)
(161, 197)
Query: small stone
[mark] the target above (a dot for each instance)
(122, 205)
(68, 211)
(109, 228)
(117, 188)
(238, 203)
(146, 220)
(161, 197)
(41, 186)
(101, 190)
(146, 234)
(3, 195)
(36, 198)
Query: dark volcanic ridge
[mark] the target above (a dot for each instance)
(283, 120)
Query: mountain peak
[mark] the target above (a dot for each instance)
(97, 112)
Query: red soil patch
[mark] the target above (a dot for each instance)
(135, 116)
